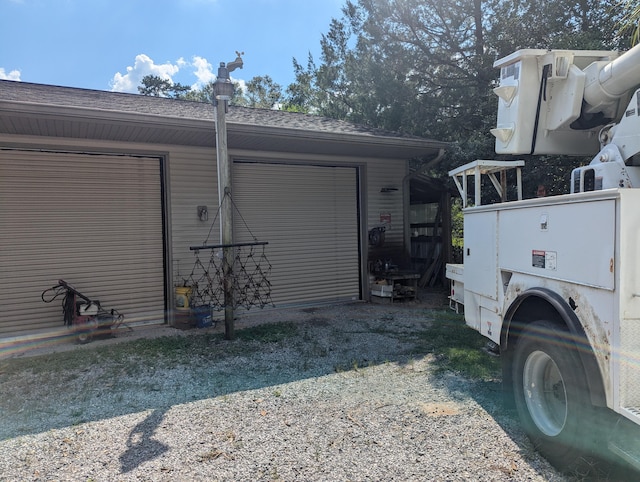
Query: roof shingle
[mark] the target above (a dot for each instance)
(168, 112)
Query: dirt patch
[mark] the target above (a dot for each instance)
(440, 409)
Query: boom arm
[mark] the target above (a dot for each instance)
(608, 82)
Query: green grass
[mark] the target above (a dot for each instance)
(145, 353)
(268, 332)
(457, 347)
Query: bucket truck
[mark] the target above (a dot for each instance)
(554, 282)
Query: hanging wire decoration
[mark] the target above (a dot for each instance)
(247, 273)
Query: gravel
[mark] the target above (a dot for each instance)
(348, 398)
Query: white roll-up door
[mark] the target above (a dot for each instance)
(309, 217)
(93, 220)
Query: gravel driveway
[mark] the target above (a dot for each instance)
(347, 396)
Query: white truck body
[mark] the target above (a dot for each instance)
(554, 282)
(583, 247)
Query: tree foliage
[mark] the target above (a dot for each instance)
(425, 67)
(260, 91)
(630, 23)
(206, 94)
(300, 96)
(263, 92)
(158, 87)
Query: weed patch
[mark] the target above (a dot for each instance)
(137, 356)
(457, 347)
(268, 332)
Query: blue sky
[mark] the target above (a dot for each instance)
(112, 44)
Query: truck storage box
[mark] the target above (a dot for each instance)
(455, 273)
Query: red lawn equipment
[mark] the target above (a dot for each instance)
(83, 315)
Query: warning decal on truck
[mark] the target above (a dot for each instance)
(543, 259)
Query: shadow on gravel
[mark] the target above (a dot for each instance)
(141, 446)
(59, 390)
(56, 390)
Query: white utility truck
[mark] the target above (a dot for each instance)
(554, 282)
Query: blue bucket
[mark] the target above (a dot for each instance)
(203, 316)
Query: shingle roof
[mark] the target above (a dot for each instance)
(173, 110)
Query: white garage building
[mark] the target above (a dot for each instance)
(102, 189)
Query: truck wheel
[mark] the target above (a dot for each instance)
(551, 397)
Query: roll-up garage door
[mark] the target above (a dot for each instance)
(93, 220)
(309, 217)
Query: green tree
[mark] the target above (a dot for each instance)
(260, 91)
(574, 24)
(300, 95)
(630, 21)
(263, 92)
(419, 67)
(425, 67)
(203, 94)
(206, 94)
(156, 86)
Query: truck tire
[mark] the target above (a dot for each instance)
(551, 395)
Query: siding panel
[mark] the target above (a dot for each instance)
(194, 182)
(93, 220)
(309, 217)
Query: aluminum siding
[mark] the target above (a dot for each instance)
(93, 220)
(309, 216)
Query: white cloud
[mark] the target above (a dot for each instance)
(241, 83)
(13, 75)
(203, 71)
(143, 66)
(200, 67)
